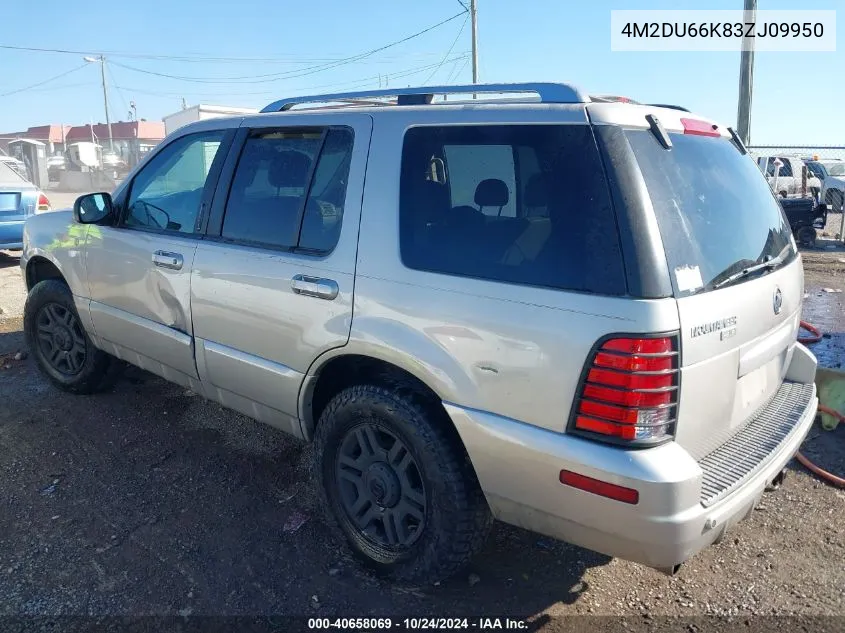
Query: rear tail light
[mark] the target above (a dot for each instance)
(43, 203)
(630, 390)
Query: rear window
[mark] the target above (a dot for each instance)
(716, 212)
(523, 204)
(9, 176)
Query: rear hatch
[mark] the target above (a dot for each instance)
(735, 273)
(17, 200)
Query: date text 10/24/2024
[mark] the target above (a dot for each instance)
(417, 624)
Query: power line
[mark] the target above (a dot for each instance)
(63, 87)
(41, 83)
(456, 73)
(352, 83)
(448, 52)
(188, 58)
(117, 88)
(303, 72)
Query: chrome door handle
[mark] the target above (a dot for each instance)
(314, 287)
(166, 259)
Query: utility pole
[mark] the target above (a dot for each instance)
(746, 77)
(102, 60)
(473, 14)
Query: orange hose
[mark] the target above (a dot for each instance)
(815, 338)
(832, 412)
(829, 477)
(820, 472)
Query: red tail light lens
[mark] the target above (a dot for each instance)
(630, 392)
(43, 202)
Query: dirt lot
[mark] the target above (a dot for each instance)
(151, 500)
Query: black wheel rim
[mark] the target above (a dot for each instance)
(61, 340)
(380, 487)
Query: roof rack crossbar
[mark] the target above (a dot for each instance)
(547, 92)
(668, 105)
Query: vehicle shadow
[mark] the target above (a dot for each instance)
(9, 259)
(150, 499)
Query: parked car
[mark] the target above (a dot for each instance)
(16, 165)
(787, 181)
(19, 199)
(56, 165)
(831, 173)
(112, 162)
(575, 316)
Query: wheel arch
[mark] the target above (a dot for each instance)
(40, 268)
(344, 367)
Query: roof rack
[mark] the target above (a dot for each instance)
(666, 105)
(547, 92)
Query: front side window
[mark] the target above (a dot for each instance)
(167, 193)
(523, 204)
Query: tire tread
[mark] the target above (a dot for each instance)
(469, 515)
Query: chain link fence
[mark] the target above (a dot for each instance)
(805, 171)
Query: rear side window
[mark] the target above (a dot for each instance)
(524, 204)
(716, 212)
(280, 198)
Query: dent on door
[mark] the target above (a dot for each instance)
(139, 306)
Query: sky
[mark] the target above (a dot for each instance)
(251, 52)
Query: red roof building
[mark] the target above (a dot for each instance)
(121, 130)
(130, 139)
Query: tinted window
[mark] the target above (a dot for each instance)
(468, 165)
(817, 169)
(324, 212)
(9, 176)
(167, 192)
(546, 221)
(716, 213)
(268, 187)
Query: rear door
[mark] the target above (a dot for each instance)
(273, 279)
(718, 217)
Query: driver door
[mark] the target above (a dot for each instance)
(139, 269)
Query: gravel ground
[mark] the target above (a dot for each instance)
(151, 500)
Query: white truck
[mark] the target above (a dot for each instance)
(789, 176)
(200, 112)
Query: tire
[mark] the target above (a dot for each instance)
(447, 517)
(806, 236)
(59, 343)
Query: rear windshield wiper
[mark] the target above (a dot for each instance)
(772, 262)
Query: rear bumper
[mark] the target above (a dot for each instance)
(518, 466)
(11, 235)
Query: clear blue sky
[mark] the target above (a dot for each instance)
(550, 40)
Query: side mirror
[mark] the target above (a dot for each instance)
(93, 208)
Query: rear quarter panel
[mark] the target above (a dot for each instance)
(513, 350)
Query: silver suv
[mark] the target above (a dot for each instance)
(572, 314)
